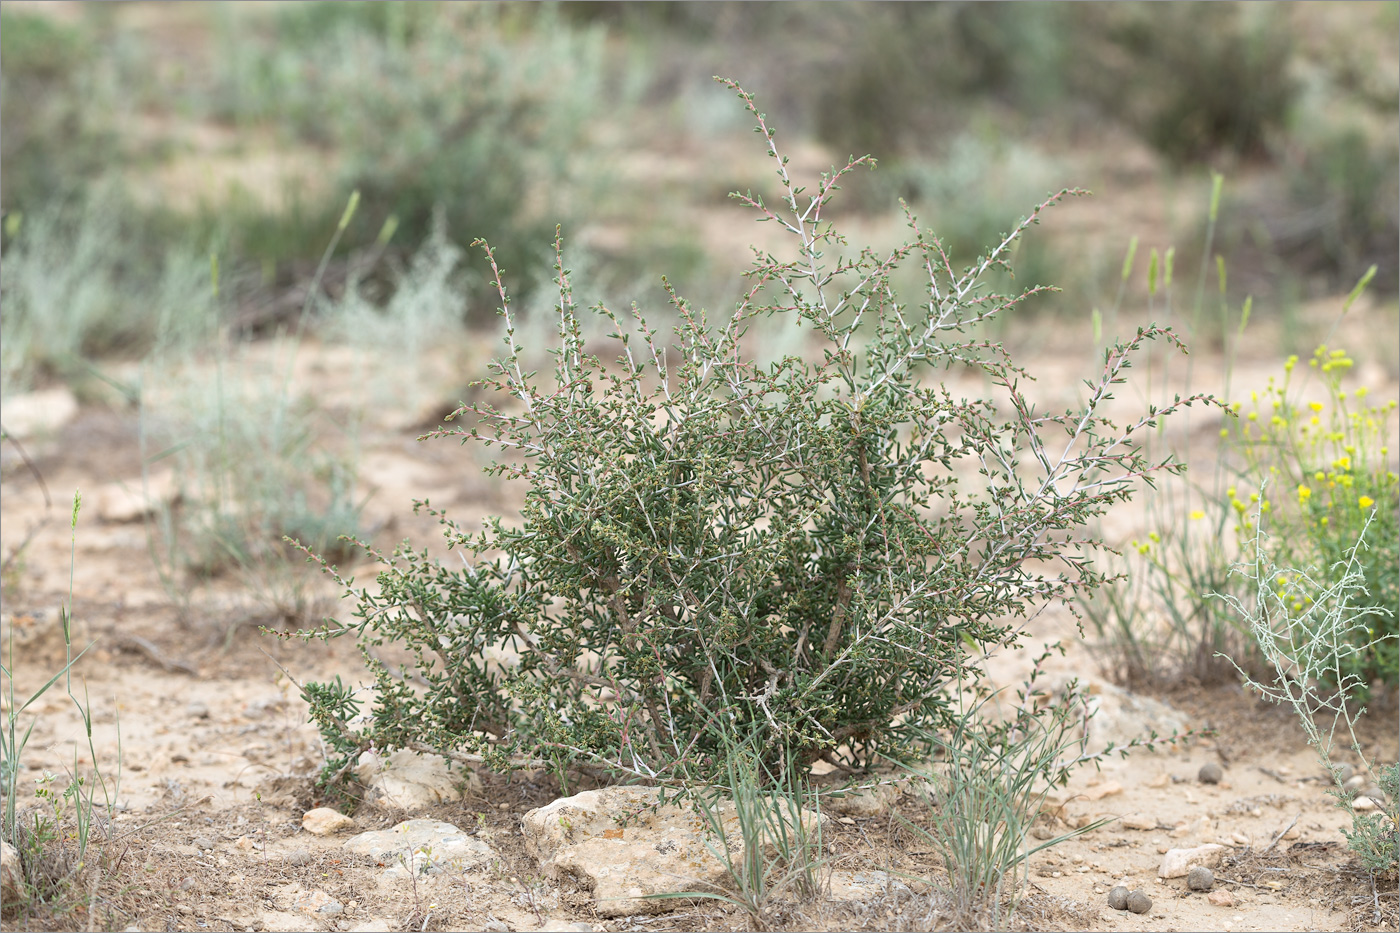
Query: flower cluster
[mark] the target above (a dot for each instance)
(1316, 469)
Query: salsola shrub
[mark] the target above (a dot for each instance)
(811, 551)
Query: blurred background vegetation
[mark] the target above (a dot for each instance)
(139, 138)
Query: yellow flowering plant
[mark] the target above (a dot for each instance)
(1317, 470)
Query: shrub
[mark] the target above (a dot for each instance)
(1324, 452)
(711, 545)
(57, 130)
(1310, 630)
(422, 107)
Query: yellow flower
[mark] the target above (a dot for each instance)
(1304, 493)
(1365, 502)
(1362, 392)
(1157, 539)
(1197, 514)
(1315, 406)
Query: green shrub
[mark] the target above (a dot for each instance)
(790, 550)
(56, 131)
(1194, 80)
(420, 108)
(1323, 451)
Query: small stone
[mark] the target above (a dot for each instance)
(1138, 821)
(1176, 863)
(1106, 789)
(297, 857)
(1210, 773)
(1200, 878)
(202, 843)
(1118, 898)
(1139, 902)
(197, 709)
(1375, 793)
(324, 821)
(1221, 898)
(496, 926)
(1345, 773)
(1354, 783)
(1363, 804)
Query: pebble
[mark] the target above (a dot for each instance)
(1210, 773)
(1363, 804)
(1118, 898)
(297, 857)
(1345, 773)
(324, 821)
(1139, 902)
(1221, 898)
(198, 709)
(1200, 879)
(202, 843)
(1354, 783)
(1375, 793)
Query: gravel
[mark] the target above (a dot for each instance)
(1210, 773)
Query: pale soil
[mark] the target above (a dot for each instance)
(213, 740)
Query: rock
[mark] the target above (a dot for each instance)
(323, 821)
(297, 857)
(1106, 789)
(202, 843)
(1138, 821)
(1354, 783)
(410, 781)
(32, 413)
(197, 710)
(373, 925)
(1139, 902)
(1200, 878)
(861, 802)
(1118, 897)
(1117, 717)
(425, 845)
(11, 876)
(565, 926)
(1221, 898)
(620, 843)
(319, 903)
(862, 886)
(1344, 774)
(1375, 793)
(1363, 804)
(1210, 773)
(1179, 862)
